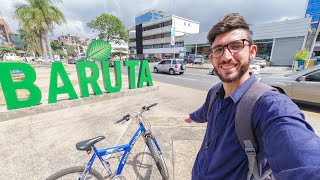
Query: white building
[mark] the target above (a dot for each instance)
(279, 40)
(154, 38)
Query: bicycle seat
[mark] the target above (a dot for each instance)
(87, 144)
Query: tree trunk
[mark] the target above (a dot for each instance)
(49, 47)
(44, 49)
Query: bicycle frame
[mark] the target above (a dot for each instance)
(126, 148)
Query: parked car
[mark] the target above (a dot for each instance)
(302, 86)
(170, 66)
(254, 69)
(198, 59)
(259, 61)
(111, 62)
(211, 71)
(153, 59)
(189, 58)
(72, 60)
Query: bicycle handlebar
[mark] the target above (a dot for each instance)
(127, 117)
(146, 108)
(124, 118)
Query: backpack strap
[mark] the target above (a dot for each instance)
(214, 94)
(243, 125)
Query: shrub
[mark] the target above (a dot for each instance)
(303, 54)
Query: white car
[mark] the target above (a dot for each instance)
(170, 66)
(254, 69)
(211, 71)
(259, 61)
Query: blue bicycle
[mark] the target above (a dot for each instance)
(87, 172)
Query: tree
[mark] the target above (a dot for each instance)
(56, 45)
(6, 49)
(71, 50)
(31, 41)
(303, 54)
(39, 15)
(110, 27)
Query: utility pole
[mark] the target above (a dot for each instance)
(174, 29)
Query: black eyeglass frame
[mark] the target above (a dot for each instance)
(223, 46)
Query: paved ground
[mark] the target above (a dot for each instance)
(37, 145)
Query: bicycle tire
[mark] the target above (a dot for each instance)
(157, 157)
(72, 170)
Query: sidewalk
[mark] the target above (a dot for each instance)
(39, 144)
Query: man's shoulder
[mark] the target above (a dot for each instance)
(273, 103)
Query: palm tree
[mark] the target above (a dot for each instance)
(39, 15)
(31, 40)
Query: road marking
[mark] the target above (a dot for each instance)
(179, 78)
(183, 87)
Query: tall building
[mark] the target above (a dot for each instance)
(156, 38)
(4, 32)
(149, 15)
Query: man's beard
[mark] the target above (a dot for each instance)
(228, 79)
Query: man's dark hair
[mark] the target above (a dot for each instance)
(230, 22)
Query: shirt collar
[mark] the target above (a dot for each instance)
(239, 92)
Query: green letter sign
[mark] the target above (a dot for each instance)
(144, 74)
(107, 79)
(58, 69)
(9, 86)
(84, 81)
(131, 72)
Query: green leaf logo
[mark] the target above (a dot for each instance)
(99, 50)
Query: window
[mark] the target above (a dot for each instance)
(179, 44)
(314, 77)
(177, 62)
(157, 46)
(162, 62)
(168, 62)
(166, 45)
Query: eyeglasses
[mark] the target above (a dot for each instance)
(233, 47)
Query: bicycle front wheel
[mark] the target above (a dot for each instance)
(76, 173)
(157, 156)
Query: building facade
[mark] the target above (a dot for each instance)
(4, 32)
(69, 39)
(149, 15)
(162, 38)
(278, 41)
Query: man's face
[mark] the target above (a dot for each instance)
(231, 66)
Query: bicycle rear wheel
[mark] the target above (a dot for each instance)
(75, 173)
(157, 156)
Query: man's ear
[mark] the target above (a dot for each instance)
(253, 51)
(211, 58)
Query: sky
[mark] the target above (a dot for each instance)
(207, 12)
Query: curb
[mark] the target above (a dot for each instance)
(194, 67)
(19, 113)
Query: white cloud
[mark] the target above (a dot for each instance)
(207, 12)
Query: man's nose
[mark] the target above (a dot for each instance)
(227, 55)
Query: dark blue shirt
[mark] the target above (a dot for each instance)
(285, 139)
